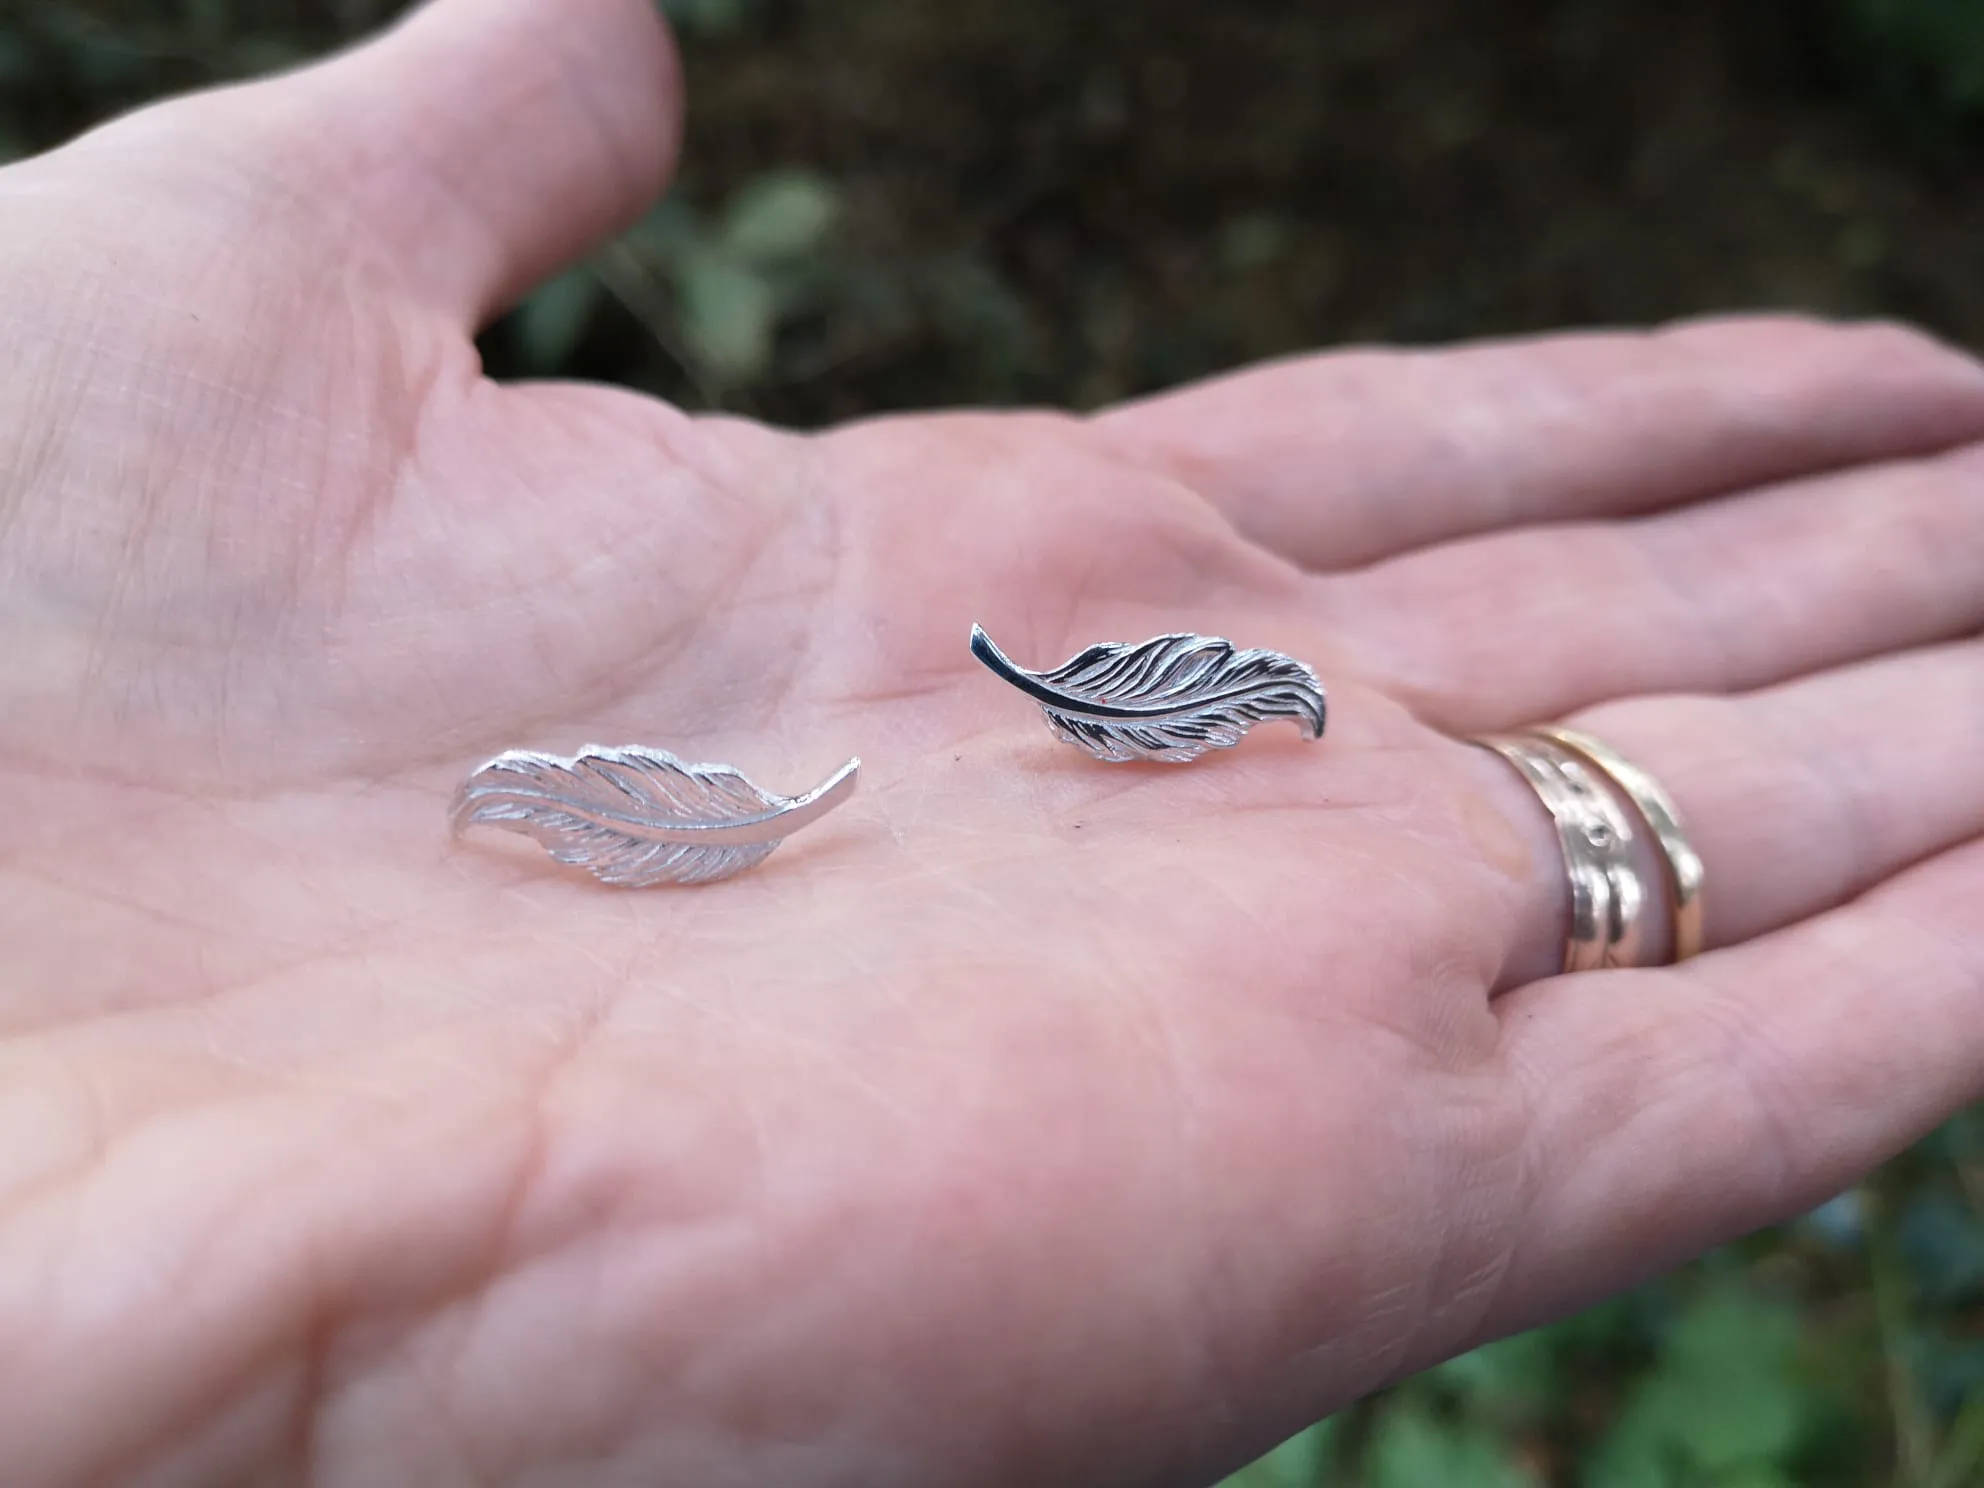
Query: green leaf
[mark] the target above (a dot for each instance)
(1513, 1378)
(552, 321)
(1411, 1449)
(779, 216)
(1721, 1401)
(729, 317)
(668, 235)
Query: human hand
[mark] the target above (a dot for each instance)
(1027, 1119)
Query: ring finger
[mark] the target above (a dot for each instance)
(1801, 796)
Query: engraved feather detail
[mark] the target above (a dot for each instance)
(1169, 699)
(633, 817)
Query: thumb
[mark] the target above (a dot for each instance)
(476, 147)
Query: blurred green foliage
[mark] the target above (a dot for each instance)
(1075, 200)
(886, 204)
(1924, 59)
(1843, 1351)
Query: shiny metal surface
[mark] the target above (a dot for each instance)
(1685, 872)
(634, 817)
(1608, 897)
(1170, 699)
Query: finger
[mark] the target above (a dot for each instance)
(476, 147)
(1721, 596)
(1341, 459)
(1672, 1110)
(1802, 796)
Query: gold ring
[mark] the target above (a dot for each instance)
(1683, 864)
(1608, 899)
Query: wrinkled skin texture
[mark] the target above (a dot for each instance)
(1028, 1120)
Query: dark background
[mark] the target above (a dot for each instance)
(897, 203)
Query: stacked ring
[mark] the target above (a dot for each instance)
(1599, 801)
(1682, 863)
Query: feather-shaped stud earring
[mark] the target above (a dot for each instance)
(634, 817)
(1170, 699)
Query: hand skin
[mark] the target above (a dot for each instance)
(1027, 1120)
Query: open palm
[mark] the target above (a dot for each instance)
(1026, 1120)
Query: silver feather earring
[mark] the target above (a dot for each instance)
(1170, 699)
(634, 817)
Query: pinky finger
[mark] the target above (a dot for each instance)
(1675, 1109)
